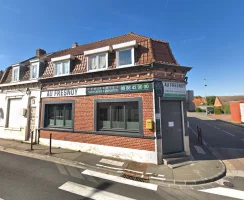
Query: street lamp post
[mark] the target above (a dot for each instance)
(205, 85)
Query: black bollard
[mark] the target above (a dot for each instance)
(31, 140)
(50, 147)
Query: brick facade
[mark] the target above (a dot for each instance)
(84, 121)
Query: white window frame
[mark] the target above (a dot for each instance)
(62, 63)
(31, 68)
(15, 68)
(97, 55)
(132, 57)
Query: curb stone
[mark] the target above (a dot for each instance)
(195, 182)
(80, 165)
(57, 160)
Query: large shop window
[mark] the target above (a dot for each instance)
(119, 116)
(58, 115)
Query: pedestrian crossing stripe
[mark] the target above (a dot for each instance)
(238, 194)
(91, 193)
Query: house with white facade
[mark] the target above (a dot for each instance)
(20, 98)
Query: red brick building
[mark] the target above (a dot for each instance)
(121, 97)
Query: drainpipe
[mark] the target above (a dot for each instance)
(39, 116)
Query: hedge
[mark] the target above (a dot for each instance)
(198, 110)
(217, 110)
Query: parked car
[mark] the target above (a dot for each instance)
(210, 110)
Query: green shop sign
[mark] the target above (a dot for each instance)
(174, 89)
(129, 88)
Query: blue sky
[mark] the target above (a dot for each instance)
(207, 35)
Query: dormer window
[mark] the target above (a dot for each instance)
(125, 57)
(15, 74)
(97, 62)
(34, 71)
(97, 59)
(62, 68)
(62, 65)
(125, 54)
(36, 68)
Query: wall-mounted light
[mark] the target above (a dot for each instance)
(186, 79)
(28, 92)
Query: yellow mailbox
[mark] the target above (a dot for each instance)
(149, 124)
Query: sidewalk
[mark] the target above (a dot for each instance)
(206, 168)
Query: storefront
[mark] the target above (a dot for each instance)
(137, 121)
(106, 120)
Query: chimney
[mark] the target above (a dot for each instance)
(40, 52)
(75, 45)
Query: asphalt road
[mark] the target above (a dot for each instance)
(226, 141)
(23, 178)
(216, 133)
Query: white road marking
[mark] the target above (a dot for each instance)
(228, 133)
(157, 178)
(199, 150)
(225, 192)
(91, 193)
(108, 167)
(111, 162)
(216, 127)
(149, 186)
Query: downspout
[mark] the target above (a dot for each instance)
(40, 108)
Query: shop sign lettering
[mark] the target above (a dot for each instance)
(130, 88)
(174, 89)
(64, 92)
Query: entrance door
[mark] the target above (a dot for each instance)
(172, 131)
(32, 119)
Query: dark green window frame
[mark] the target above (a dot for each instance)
(54, 105)
(123, 126)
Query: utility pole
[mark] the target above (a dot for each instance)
(205, 85)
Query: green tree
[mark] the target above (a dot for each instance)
(211, 100)
(197, 97)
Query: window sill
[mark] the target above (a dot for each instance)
(61, 75)
(119, 133)
(107, 133)
(97, 70)
(57, 129)
(122, 66)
